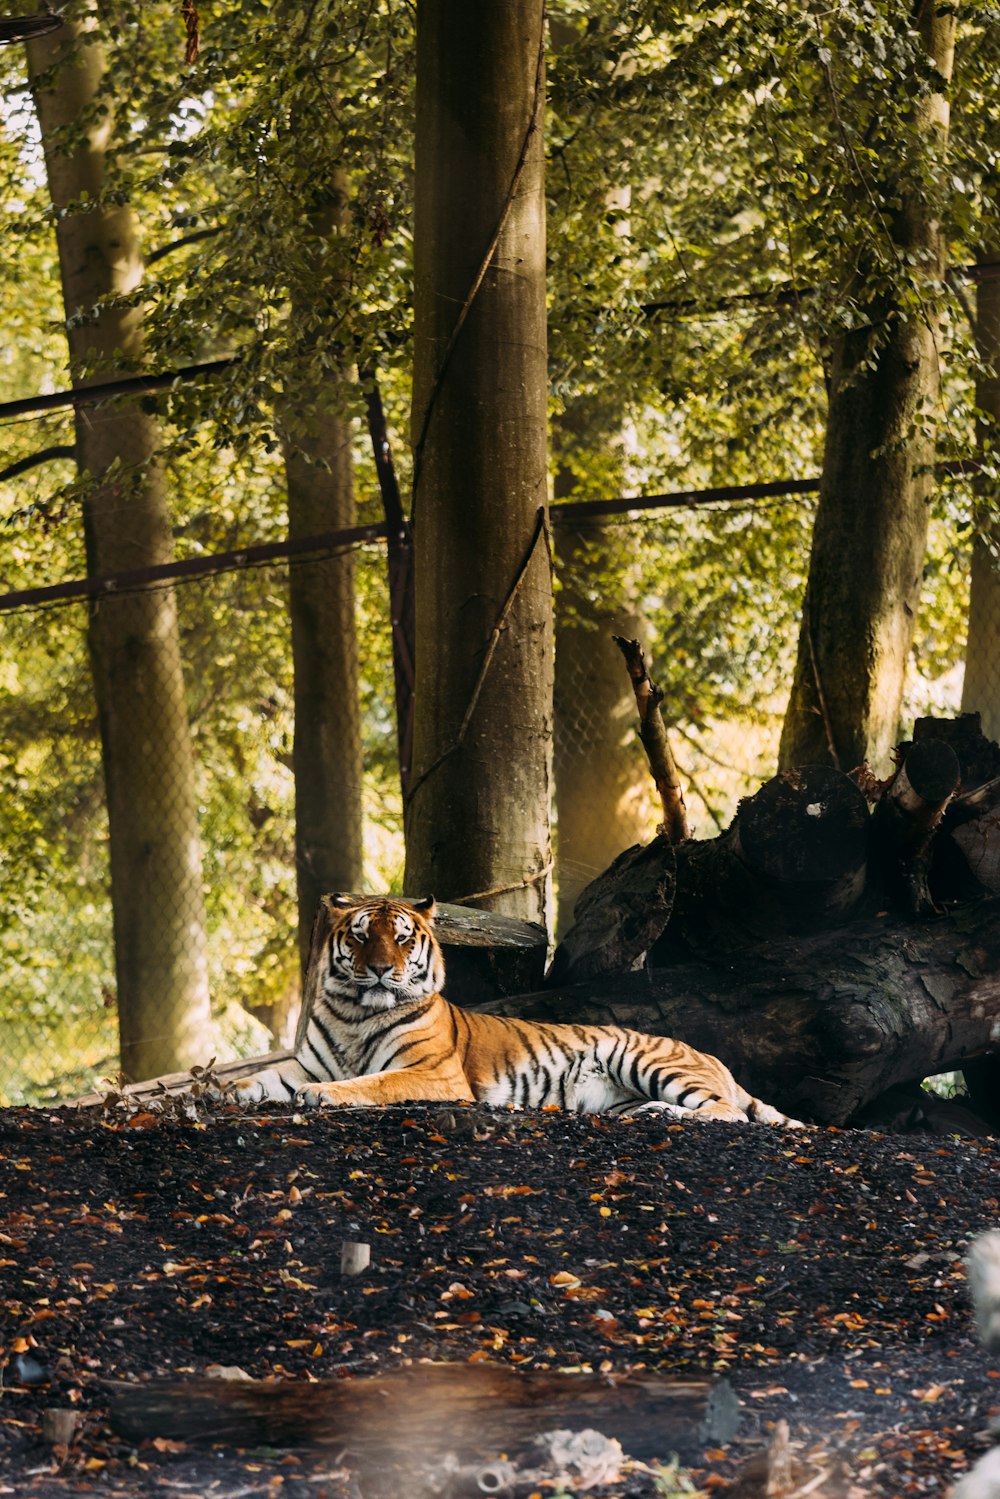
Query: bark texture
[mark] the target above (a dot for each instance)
(327, 746)
(319, 475)
(870, 531)
(156, 876)
(477, 814)
(981, 689)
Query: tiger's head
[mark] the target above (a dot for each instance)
(382, 952)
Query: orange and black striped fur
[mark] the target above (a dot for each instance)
(380, 1032)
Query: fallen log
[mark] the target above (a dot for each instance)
(794, 860)
(619, 915)
(818, 1025)
(415, 1416)
(909, 815)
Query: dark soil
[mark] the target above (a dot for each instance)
(819, 1272)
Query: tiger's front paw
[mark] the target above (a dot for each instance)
(244, 1092)
(318, 1096)
(266, 1086)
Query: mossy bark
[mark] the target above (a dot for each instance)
(155, 857)
(870, 532)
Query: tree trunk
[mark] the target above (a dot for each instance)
(601, 789)
(156, 877)
(319, 475)
(477, 815)
(820, 1025)
(870, 531)
(327, 749)
(981, 690)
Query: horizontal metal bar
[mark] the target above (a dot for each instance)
(190, 567)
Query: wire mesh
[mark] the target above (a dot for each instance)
(720, 642)
(59, 997)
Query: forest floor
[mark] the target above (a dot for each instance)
(820, 1273)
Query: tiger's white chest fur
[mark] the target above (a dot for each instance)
(348, 1038)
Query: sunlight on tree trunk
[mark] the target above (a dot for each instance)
(319, 474)
(156, 874)
(601, 782)
(327, 752)
(981, 690)
(870, 531)
(477, 818)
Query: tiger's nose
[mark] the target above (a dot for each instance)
(380, 969)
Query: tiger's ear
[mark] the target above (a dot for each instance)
(427, 907)
(340, 902)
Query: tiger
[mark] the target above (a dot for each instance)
(380, 1032)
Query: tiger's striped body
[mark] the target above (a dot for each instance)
(380, 1032)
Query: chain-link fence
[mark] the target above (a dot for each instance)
(720, 638)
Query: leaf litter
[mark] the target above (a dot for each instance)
(822, 1278)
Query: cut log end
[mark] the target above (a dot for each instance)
(932, 771)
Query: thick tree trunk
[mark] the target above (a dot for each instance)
(870, 531)
(327, 748)
(477, 815)
(319, 474)
(156, 879)
(819, 1026)
(981, 689)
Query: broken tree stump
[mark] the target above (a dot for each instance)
(794, 861)
(978, 757)
(802, 840)
(818, 1025)
(619, 915)
(965, 858)
(909, 815)
(416, 1415)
